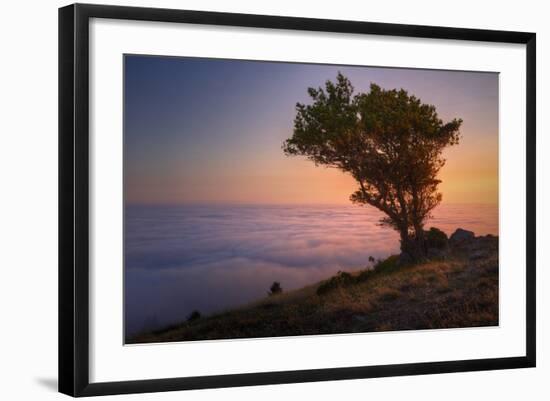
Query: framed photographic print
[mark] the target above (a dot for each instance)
(249, 199)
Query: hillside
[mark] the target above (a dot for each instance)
(458, 287)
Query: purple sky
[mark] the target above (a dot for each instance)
(207, 130)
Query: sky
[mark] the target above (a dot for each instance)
(210, 130)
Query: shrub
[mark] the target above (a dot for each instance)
(435, 238)
(387, 265)
(275, 288)
(327, 286)
(195, 315)
(364, 275)
(341, 279)
(344, 278)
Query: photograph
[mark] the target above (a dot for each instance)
(272, 198)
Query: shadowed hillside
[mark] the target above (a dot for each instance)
(456, 287)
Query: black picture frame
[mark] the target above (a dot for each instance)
(74, 192)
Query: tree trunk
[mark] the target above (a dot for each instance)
(413, 246)
(407, 246)
(420, 239)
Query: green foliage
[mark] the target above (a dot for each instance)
(365, 275)
(275, 289)
(327, 286)
(344, 279)
(389, 141)
(390, 264)
(341, 279)
(435, 238)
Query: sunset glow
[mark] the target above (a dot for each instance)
(206, 131)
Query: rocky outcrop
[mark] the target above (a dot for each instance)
(475, 248)
(461, 242)
(465, 242)
(460, 235)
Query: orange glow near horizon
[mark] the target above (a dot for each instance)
(470, 175)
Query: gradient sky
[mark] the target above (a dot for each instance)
(207, 130)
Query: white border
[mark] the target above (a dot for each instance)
(111, 361)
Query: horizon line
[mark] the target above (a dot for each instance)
(232, 203)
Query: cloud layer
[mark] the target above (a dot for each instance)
(210, 258)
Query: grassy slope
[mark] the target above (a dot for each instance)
(459, 291)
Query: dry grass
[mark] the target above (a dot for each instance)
(456, 292)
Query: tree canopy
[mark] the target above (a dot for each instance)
(389, 141)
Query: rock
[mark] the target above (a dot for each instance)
(460, 236)
(435, 238)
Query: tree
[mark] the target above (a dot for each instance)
(389, 141)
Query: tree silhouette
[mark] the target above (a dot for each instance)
(389, 141)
